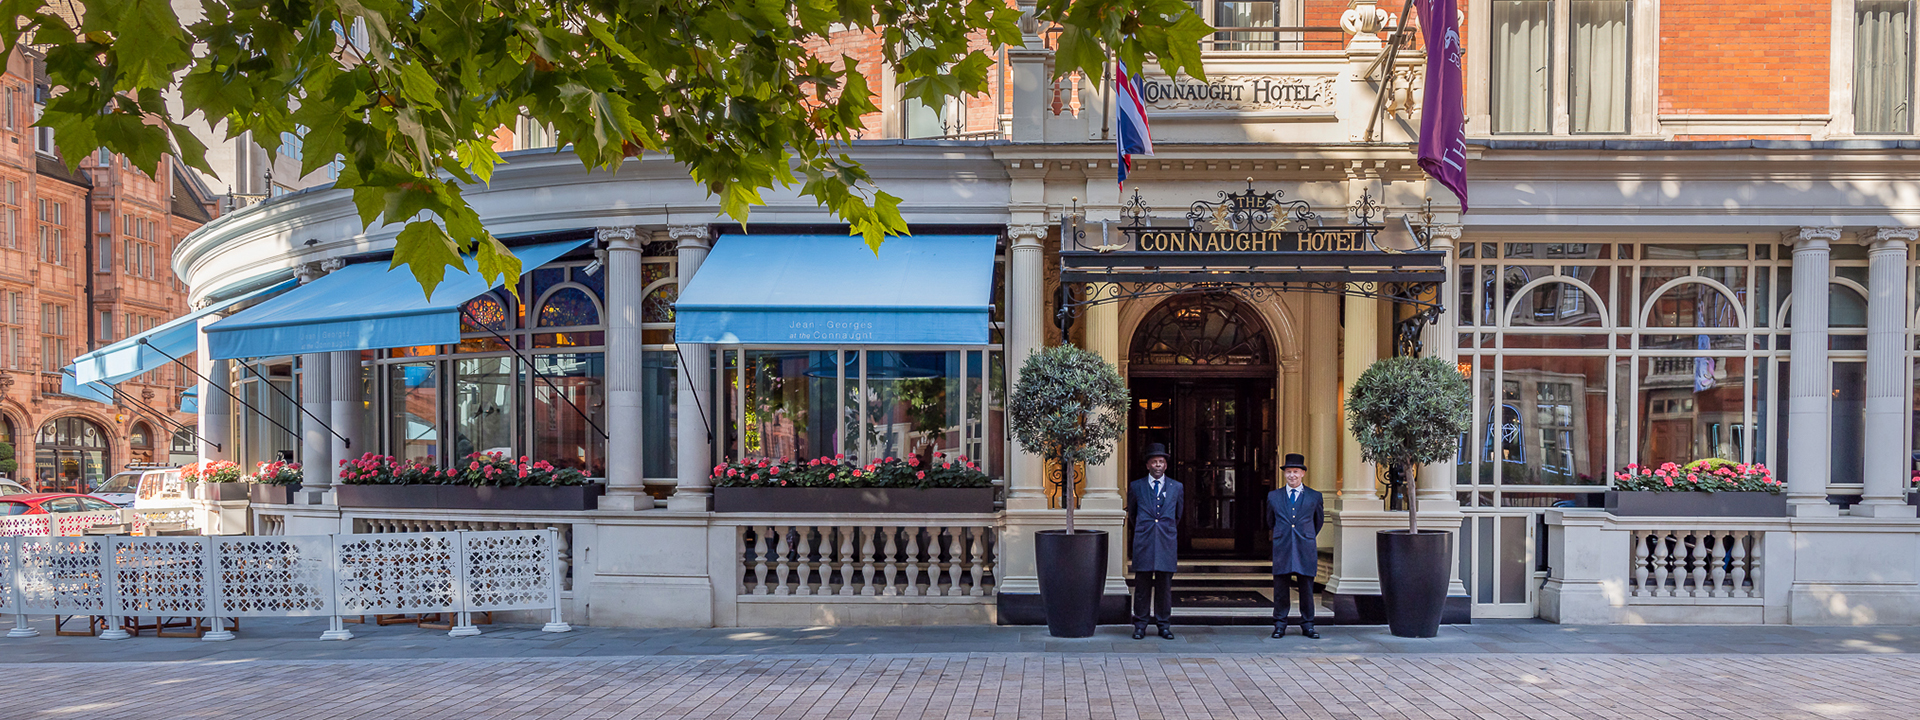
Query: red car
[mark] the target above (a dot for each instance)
(43, 503)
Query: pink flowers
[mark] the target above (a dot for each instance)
(1708, 475)
(840, 471)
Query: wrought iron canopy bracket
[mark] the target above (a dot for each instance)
(1406, 288)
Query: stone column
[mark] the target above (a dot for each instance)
(1886, 463)
(1439, 340)
(625, 487)
(1026, 334)
(1104, 481)
(695, 388)
(316, 401)
(349, 406)
(1323, 392)
(1359, 346)
(1809, 404)
(216, 409)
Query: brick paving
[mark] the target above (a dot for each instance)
(280, 672)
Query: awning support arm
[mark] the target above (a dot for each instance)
(162, 417)
(536, 373)
(225, 391)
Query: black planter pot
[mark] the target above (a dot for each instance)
(1073, 571)
(1413, 579)
(262, 494)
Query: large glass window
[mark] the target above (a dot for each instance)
(660, 413)
(1585, 357)
(889, 403)
(1883, 67)
(483, 406)
(70, 455)
(569, 397)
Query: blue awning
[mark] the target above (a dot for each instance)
(831, 290)
(190, 401)
(360, 307)
(97, 392)
(176, 338)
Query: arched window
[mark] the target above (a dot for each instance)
(490, 311)
(70, 455)
(1202, 329)
(140, 442)
(568, 307)
(1694, 305)
(1556, 304)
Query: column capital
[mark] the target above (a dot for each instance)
(1024, 234)
(310, 271)
(331, 264)
(1444, 233)
(1889, 237)
(691, 235)
(626, 237)
(1812, 237)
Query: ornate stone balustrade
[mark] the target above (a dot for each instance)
(1696, 563)
(863, 565)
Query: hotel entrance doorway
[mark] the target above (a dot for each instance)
(1202, 376)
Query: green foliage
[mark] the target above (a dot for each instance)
(1409, 411)
(729, 90)
(1068, 405)
(7, 463)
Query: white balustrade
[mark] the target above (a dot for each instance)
(235, 576)
(1695, 563)
(843, 557)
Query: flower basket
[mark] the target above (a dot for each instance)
(488, 481)
(852, 500)
(1703, 488)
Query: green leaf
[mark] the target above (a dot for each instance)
(424, 247)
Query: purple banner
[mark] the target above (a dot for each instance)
(1443, 113)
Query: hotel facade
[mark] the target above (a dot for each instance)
(1673, 253)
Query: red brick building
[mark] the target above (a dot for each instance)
(84, 260)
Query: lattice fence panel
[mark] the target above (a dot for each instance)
(17, 525)
(278, 576)
(62, 575)
(510, 570)
(161, 577)
(7, 601)
(388, 574)
(76, 523)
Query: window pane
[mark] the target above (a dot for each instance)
(1882, 66)
(1522, 32)
(415, 392)
(1695, 305)
(568, 307)
(483, 406)
(907, 403)
(786, 390)
(1849, 423)
(1692, 408)
(1599, 59)
(569, 385)
(660, 397)
(1557, 304)
(1553, 415)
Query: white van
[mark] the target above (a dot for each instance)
(161, 489)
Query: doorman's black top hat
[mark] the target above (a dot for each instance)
(1157, 450)
(1295, 460)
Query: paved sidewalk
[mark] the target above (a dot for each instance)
(278, 669)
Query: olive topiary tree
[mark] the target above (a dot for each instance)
(1069, 406)
(1409, 411)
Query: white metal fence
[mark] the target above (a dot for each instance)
(234, 576)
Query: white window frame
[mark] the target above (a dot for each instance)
(1643, 63)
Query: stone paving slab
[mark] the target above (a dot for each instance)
(280, 670)
(985, 685)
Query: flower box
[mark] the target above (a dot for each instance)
(1647, 503)
(852, 500)
(463, 497)
(264, 494)
(220, 491)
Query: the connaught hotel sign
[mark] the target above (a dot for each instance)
(1239, 92)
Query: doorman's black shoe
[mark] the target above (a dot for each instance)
(1166, 633)
(1308, 631)
(1279, 631)
(1139, 632)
